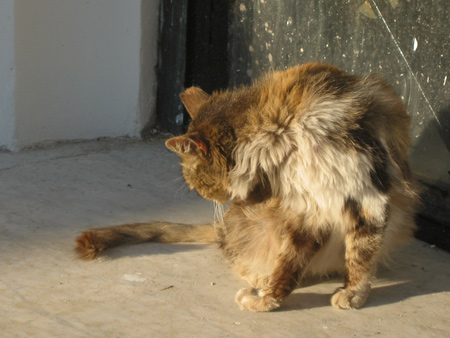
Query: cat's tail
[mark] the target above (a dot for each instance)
(91, 243)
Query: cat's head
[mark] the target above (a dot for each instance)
(205, 149)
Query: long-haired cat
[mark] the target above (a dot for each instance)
(314, 164)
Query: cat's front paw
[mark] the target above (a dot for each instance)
(254, 300)
(349, 299)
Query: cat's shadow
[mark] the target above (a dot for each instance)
(391, 287)
(380, 295)
(305, 300)
(151, 249)
(395, 284)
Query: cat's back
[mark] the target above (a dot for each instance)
(327, 102)
(301, 88)
(317, 120)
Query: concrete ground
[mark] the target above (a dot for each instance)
(50, 195)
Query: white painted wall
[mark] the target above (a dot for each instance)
(7, 74)
(83, 69)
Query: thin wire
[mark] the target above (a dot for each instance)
(374, 5)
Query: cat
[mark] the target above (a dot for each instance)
(314, 164)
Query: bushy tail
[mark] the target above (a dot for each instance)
(91, 243)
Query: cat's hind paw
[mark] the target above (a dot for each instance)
(254, 300)
(349, 299)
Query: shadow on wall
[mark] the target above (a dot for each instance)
(430, 154)
(430, 158)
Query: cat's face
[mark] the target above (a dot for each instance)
(204, 167)
(203, 170)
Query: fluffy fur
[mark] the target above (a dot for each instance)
(314, 164)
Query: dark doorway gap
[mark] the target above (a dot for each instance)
(207, 45)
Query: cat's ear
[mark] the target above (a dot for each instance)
(193, 98)
(187, 144)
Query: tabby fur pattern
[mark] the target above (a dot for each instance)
(314, 164)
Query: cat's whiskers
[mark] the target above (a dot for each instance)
(218, 215)
(180, 189)
(175, 180)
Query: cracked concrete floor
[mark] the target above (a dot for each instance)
(50, 195)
